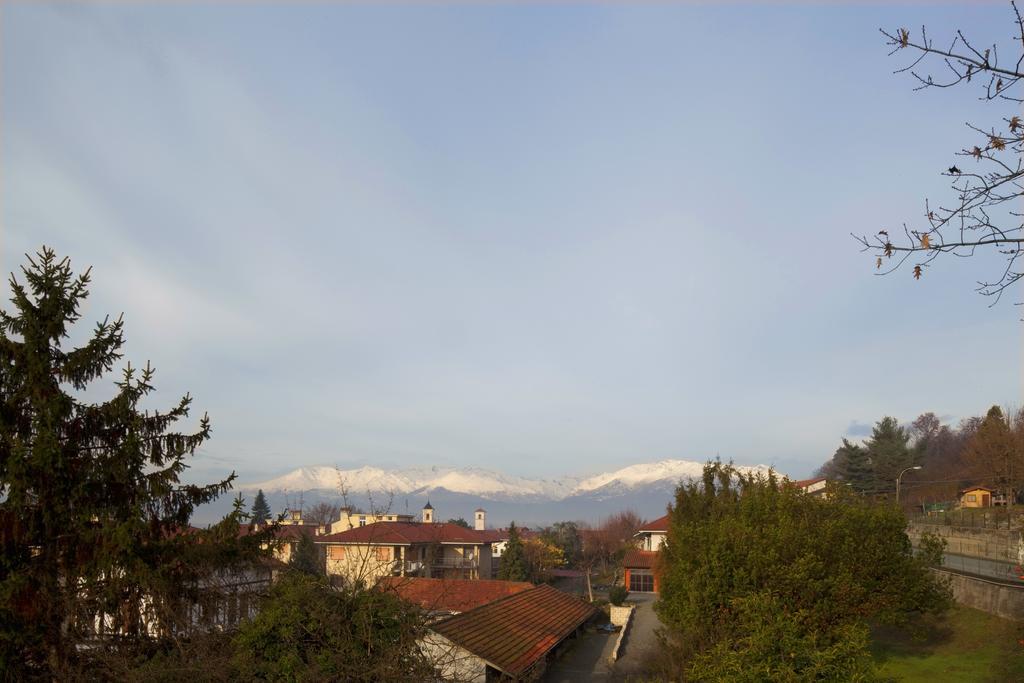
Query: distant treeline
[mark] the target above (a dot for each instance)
(987, 450)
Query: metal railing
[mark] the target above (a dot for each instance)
(455, 562)
(972, 518)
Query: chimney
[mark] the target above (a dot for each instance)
(428, 513)
(480, 523)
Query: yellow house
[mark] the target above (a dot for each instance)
(976, 497)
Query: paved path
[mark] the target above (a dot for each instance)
(586, 661)
(641, 641)
(589, 658)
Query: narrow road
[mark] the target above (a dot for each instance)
(641, 643)
(979, 566)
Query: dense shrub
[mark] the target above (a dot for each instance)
(617, 595)
(763, 582)
(308, 630)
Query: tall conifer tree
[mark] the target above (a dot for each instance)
(93, 517)
(513, 560)
(260, 508)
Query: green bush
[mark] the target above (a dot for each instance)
(763, 582)
(617, 595)
(308, 630)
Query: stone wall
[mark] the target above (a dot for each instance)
(620, 614)
(995, 598)
(991, 544)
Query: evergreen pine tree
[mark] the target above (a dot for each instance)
(889, 452)
(513, 560)
(260, 508)
(93, 517)
(306, 557)
(852, 465)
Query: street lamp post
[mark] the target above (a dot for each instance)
(915, 467)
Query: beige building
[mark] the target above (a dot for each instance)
(406, 548)
(351, 519)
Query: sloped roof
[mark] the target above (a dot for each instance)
(639, 559)
(514, 633)
(450, 595)
(407, 533)
(804, 483)
(658, 525)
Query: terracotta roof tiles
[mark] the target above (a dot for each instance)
(639, 559)
(660, 524)
(450, 595)
(514, 633)
(407, 533)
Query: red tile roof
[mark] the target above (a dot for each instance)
(660, 524)
(804, 483)
(407, 533)
(451, 595)
(514, 633)
(639, 559)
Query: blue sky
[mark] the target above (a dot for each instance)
(549, 240)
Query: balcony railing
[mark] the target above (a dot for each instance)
(455, 562)
(418, 568)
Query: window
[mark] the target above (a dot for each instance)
(971, 498)
(337, 552)
(641, 581)
(383, 553)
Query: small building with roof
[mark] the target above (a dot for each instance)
(510, 639)
(976, 497)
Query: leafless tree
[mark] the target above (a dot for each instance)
(985, 216)
(322, 514)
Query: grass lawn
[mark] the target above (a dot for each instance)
(963, 645)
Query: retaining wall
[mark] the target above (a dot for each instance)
(991, 544)
(988, 596)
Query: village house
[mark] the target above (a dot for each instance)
(510, 639)
(638, 564)
(817, 486)
(976, 497)
(289, 531)
(395, 548)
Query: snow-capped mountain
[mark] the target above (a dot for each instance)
(485, 484)
(645, 488)
(469, 480)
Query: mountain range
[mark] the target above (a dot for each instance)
(645, 488)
